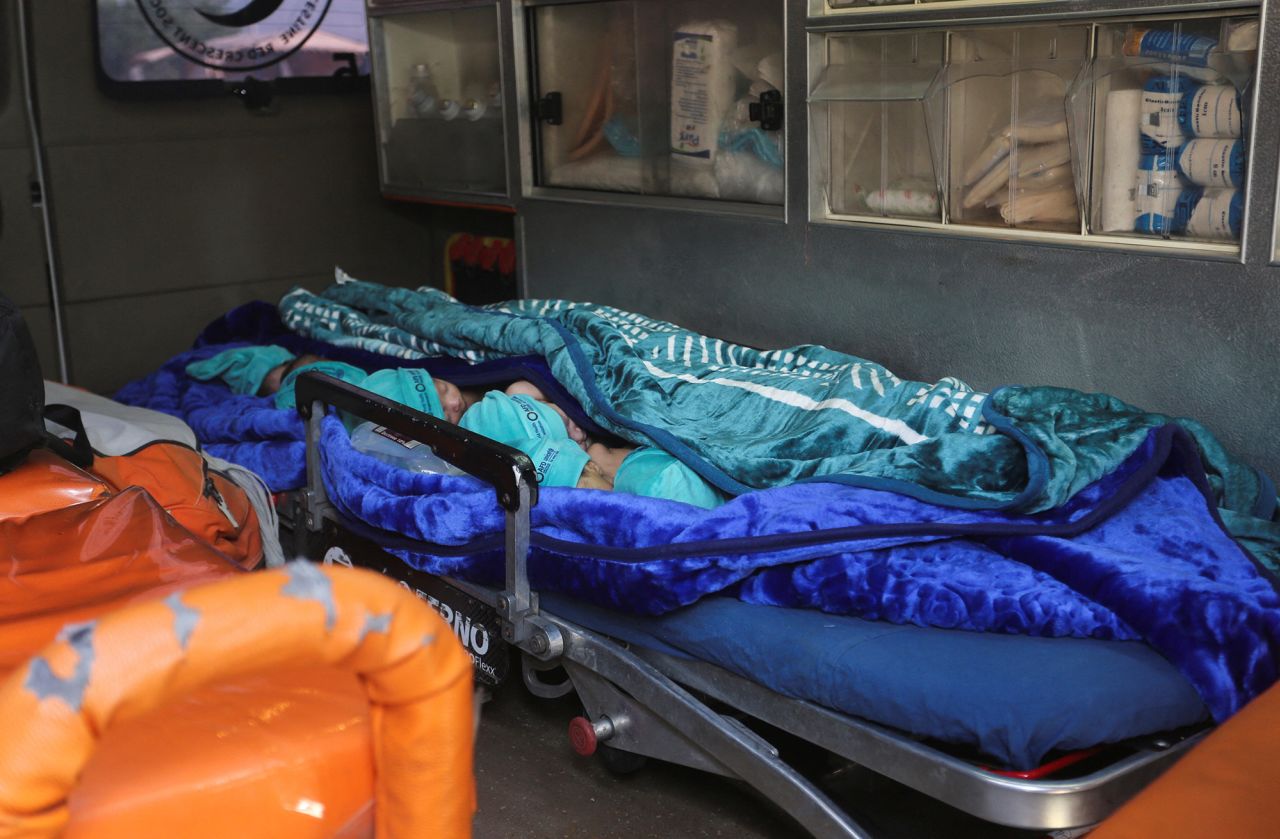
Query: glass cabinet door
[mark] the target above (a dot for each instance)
(1169, 106)
(439, 97)
(877, 124)
(1120, 131)
(676, 99)
(1012, 160)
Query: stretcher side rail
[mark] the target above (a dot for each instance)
(507, 470)
(660, 685)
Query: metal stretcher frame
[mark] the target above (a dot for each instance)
(649, 703)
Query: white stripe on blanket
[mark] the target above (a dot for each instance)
(897, 428)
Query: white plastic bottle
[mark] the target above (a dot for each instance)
(394, 450)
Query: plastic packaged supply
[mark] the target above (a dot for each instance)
(1043, 206)
(1159, 189)
(1122, 149)
(394, 450)
(1243, 36)
(1216, 215)
(1046, 125)
(702, 86)
(1168, 45)
(1211, 111)
(1213, 163)
(423, 98)
(1029, 161)
(904, 198)
(1162, 98)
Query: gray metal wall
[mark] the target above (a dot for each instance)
(22, 276)
(169, 213)
(1178, 335)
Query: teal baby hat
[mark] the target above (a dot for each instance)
(653, 472)
(533, 428)
(243, 368)
(285, 399)
(408, 386)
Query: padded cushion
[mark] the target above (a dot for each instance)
(1015, 698)
(1224, 787)
(289, 754)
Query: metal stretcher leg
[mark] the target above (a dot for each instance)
(715, 743)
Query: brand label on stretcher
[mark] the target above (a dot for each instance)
(473, 622)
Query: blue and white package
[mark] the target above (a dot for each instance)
(1170, 46)
(1161, 127)
(1211, 111)
(1163, 199)
(1213, 163)
(1217, 215)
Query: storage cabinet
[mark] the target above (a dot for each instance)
(438, 82)
(1009, 149)
(1169, 106)
(1109, 132)
(660, 99)
(877, 124)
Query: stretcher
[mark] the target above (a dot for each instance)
(679, 687)
(153, 687)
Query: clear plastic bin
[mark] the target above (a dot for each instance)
(1169, 104)
(877, 113)
(679, 99)
(440, 105)
(1012, 158)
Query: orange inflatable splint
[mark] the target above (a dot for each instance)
(202, 501)
(46, 482)
(129, 662)
(288, 754)
(75, 563)
(1225, 786)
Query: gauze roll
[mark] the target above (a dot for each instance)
(1213, 163)
(904, 201)
(1121, 150)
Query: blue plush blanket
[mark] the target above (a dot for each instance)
(1137, 552)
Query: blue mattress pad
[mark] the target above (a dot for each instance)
(1014, 698)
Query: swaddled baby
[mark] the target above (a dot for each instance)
(541, 431)
(267, 370)
(521, 417)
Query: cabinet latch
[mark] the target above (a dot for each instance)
(549, 109)
(768, 111)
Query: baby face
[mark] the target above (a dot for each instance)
(608, 458)
(454, 401)
(529, 389)
(275, 376)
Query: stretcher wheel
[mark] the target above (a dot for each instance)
(582, 736)
(619, 762)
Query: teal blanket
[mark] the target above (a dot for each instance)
(749, 419)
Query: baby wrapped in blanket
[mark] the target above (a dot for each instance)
(521, 417)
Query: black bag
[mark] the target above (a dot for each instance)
(21, 389)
